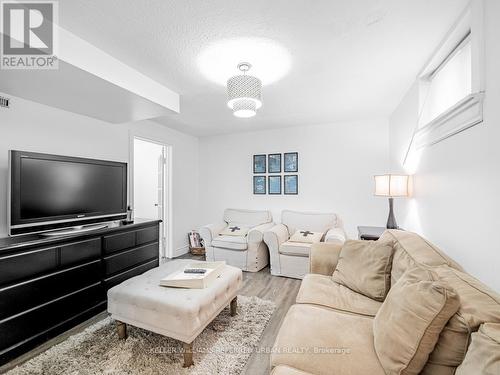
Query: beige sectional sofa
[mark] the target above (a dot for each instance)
(330, 329)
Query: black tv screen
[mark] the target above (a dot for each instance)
(46, 189)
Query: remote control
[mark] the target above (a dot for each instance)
(195, 270)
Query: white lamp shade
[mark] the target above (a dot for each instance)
(244, 108)
(391, 185)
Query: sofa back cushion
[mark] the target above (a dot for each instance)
(483, 356)
(247, 217)
(478, 305)
(408, 324)
(306, 236)
(365, 267)
(411, 250)
(315, 222)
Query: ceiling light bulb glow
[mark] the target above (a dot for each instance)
(244, 108)
(270, 60)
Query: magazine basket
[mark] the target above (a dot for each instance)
(197, 250)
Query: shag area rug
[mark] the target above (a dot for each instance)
(222, 348)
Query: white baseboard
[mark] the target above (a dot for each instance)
(181, 251)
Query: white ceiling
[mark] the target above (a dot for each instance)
(350, 59)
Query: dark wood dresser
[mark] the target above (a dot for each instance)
(48, 285)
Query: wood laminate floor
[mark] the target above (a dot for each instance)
(281, 290)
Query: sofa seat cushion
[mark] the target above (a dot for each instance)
(322, 290)
(323, 341)
(287, 370)
(230, 242)
(298, 249)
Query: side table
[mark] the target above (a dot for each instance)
(370, 233)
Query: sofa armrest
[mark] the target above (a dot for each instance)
(324, 258)
(275, 236)
(210, 231)
(256, 234)
(336, 236)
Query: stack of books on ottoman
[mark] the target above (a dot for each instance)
(196, 275)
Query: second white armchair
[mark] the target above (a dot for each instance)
(238, 239)
(291, 258)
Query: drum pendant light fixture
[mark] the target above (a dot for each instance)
(244, 93)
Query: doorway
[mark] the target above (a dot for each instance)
(150, 192)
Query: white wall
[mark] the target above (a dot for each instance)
(457, 182)
(336, 167)
(34, 127)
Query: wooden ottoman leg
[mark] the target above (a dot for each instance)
(233, 306)
(188, 354)
(122, 329)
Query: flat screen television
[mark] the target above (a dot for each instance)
(49, 192)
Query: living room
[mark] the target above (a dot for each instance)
(320, 126)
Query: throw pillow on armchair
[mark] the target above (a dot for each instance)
(237, 230)
(306, 236)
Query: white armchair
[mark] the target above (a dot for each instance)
(248, 252)
(291, 259)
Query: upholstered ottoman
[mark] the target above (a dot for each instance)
(174, 312)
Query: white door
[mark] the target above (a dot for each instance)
(149, 184)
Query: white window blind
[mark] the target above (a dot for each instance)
(449, 84)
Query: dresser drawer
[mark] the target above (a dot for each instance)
(36, 321)
(80, 252)
(117, 242)
(147, 235)
(127, 259)
(29, 264)
(117, 279)
(19, 297)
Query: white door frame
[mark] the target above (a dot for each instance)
(166, 243)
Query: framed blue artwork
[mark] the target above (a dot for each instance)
(274, 184)
(259, 184)
(291, 183)
(259, 163)
(291, 162)
(274, 163)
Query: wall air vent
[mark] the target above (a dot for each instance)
(4, 102)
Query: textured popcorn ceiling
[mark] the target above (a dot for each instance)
(350, 59)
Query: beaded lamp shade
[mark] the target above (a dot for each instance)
(244, 93)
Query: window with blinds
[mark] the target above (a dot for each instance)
(449, 84)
